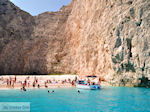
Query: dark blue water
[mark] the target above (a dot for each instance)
(108, 99)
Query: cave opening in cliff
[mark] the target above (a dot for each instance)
(35, 7)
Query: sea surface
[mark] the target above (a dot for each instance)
(108, 99)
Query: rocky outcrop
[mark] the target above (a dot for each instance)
(15, 26)
(112, 40)
(37, 44)
(106, 38)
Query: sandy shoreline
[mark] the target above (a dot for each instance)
(8, 82)
(39, 81)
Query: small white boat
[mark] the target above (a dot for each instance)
(84, 85)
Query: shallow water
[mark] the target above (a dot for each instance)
(108, 99)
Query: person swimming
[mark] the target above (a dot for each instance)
(24, 89)
(78, 91)
(52, 91)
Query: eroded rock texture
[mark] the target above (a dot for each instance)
(15, 27)
(108, 38)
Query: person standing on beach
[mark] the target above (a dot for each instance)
(46, 85)
(73, 83)
(76, 79)
(25, 82)
(15, 79)
(99, 80)
(33, 84)
(7, 82)
(36, 81)
(28, 83)
(10, 82)
(13, 83)
(38, 86)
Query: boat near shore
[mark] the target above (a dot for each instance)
(85, 85)
(90, 85)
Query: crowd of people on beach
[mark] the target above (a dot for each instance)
(27, 82)
(36, 82)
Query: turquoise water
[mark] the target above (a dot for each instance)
(108, 99)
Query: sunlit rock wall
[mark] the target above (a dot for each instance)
(111, 39)
(107, 38)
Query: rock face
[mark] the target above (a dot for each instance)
(15, 27)
(111, 39)
(103, 37)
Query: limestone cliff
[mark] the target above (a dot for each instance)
(108, 38)
(15, 27)
(111, 39)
